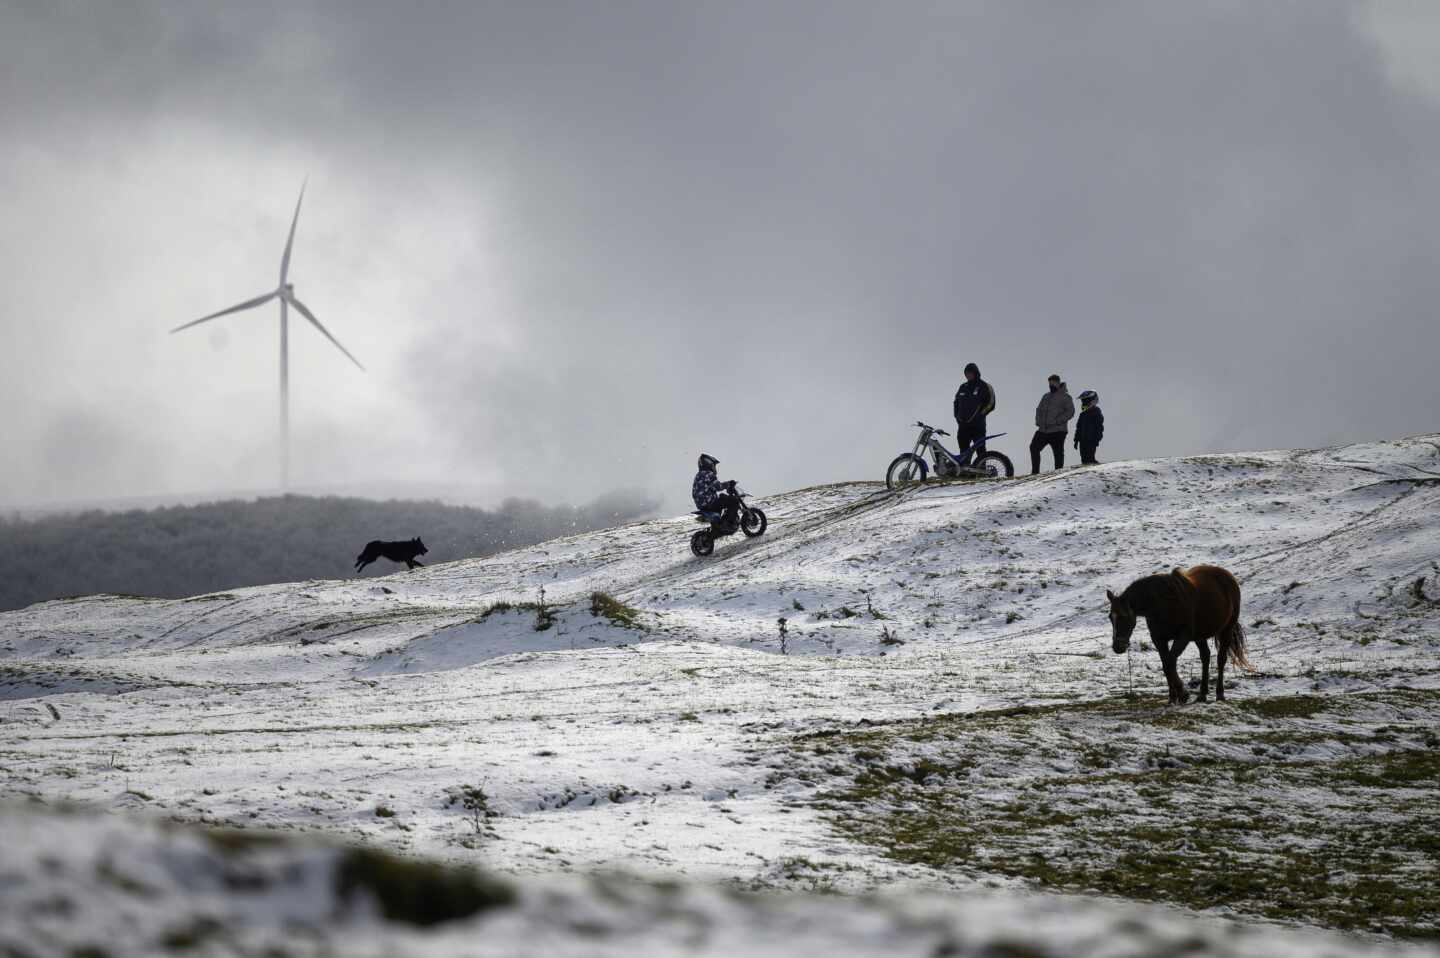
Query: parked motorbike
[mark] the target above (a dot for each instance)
(910, 468)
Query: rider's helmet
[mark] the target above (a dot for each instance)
(708, 462)
(1089, 396)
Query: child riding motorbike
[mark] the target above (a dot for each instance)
(712, 495)
(721, 508)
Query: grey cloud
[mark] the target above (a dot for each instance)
(778, 232)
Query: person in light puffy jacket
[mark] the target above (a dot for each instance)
(709, 493)
(1052, 422)
(1089, 427)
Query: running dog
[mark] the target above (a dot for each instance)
(394, 551)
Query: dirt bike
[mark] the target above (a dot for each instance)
(910, 469)
(745, 519)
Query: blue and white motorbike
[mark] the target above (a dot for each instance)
(748, 520)
(910, 469)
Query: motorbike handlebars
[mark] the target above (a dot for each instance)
(938, 432)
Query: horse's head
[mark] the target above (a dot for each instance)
(422, 550)
(1122, 621)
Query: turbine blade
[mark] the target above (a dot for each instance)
(248, 304)
(311, 316)
(290, 240)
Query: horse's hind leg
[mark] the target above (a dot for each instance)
(1223, 647)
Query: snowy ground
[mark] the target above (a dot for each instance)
(75, 885)
(420, 714)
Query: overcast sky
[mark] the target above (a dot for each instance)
(577, 243)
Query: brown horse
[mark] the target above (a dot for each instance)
(1180, 608)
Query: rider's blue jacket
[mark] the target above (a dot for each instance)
(706, 488)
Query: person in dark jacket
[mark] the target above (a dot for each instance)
(1089, 427)
(1052, 422)
(709, 493)
(974, 400)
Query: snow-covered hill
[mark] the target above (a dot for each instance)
(659, 727)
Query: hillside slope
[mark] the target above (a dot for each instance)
(665, 732)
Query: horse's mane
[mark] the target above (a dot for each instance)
(1154, 591)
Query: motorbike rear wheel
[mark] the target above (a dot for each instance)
(753, 523)
(995, 465)
(907, 471)
(702, 543)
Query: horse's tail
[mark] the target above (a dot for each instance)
(1234, 637)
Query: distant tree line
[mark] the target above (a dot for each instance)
(181, 551)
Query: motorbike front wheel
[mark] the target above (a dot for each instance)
(702, 543)
(753, 523)
(908, 470)
(995, 465)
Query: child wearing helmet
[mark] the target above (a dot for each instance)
(709, 493)
(1089, 427)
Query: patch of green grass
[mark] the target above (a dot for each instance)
(1197, 806)
(544, 613)
(1407, 769)
(604, 605)
(1285, 706)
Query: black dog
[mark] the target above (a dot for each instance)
(394, 551)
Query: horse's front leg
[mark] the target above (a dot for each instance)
(1167, 663)
(1182, 694)
(1203, 647)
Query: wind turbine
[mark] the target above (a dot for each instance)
(285, 292)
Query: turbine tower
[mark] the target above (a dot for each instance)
(285, 292)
